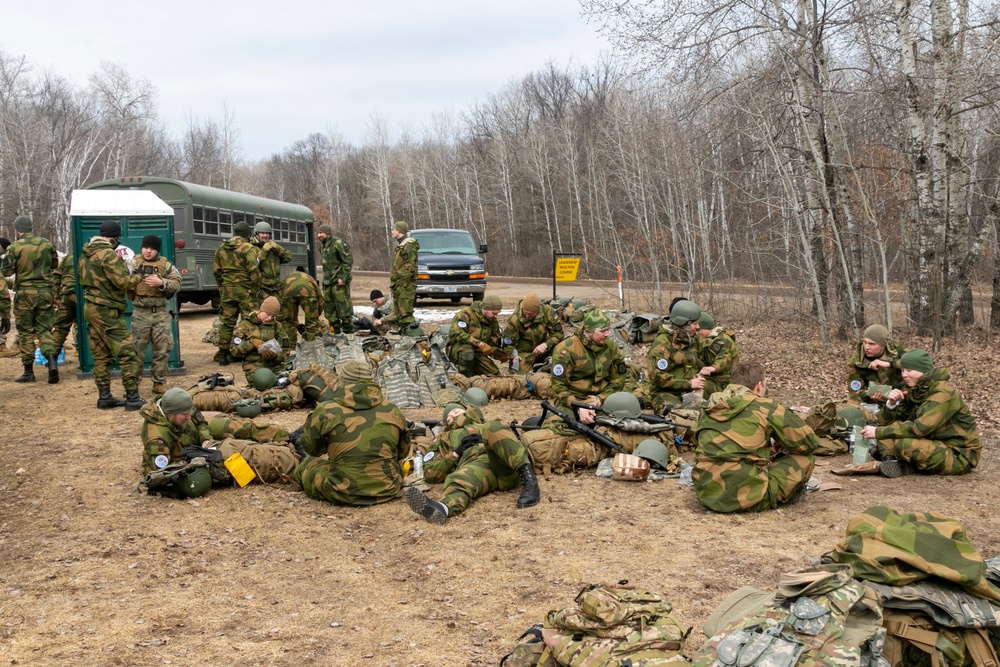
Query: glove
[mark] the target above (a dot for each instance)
(486, 348)
(210, 455)
(257, 342)
(468, 441)
(266, 352)
(301, 328)
(5, 325)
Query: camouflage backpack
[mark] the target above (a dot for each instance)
(644, 328)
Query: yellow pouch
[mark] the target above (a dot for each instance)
(240, 469)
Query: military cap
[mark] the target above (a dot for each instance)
(706, 321)
(595, 320)
(376, 294)
(325, 229)
(241, 228)
(176, 401)
(355, 370)
(916, 360)
(22, 223)
(492, 302)
(110, 229)
(151, 241)
(877, 333)
(401, 227)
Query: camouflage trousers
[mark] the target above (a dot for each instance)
(471, 361)
(337, 306)
(64, 320)
(660, 399)
(34, 316)
(152, 325)
(245, 429)
(323, 479)
(929, 456)
(289, 318)
(785, 477)
(493, 470)
(110, 338)
(403, 299)
(528, 361)
(231, 309)
(714, 383)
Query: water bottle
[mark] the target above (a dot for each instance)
(418, 466)
(860, 452)
(851, 435)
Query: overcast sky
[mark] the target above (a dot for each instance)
(288, 69)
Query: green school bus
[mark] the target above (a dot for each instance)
(204, 218)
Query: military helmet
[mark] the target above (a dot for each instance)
(195, 483)
(653, 451)
(622, 405)
(248, 407)
(684, 313)
(263, 379)
(579, 303)
(849, 418)
(262, 228)
(476, 397)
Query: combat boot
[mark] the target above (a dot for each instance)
(529, 487)
(29, 374)
(53, 369)
(223, 357)
(132, 399)
(105, 401)
(431, 510)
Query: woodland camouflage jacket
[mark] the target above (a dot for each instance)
(4, 299)
(404, 262)
(32, 260)
(525, 335)
(581, 368)
(674, 358)
(338, 260)
(859, 375)
(251, 332)
(719, 349)
(159, 436)
(104, 275)
(270, 257)
(469, 326)
(65, 279)
(235, 269)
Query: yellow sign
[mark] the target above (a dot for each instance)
(566, 268)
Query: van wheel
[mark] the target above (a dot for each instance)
(456, 299)
(477, 297)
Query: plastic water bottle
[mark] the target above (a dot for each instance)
(860, 453)
(418, 466)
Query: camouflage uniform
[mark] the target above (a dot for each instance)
(150, 318)
(300, 290)
(66, 302)
(32, 259)
(270, 257)
(469, 329)
(859, 375)
(238, 278)
(338, 261)
(525, 335)
(250, 334)
(674, 359)
(4, 306)
(105, 279)
(488, 466)
(403, 281)
(931, 428)
(366, 441)
(581, 368)
(386, 313)
(719, 349)
(733, 469)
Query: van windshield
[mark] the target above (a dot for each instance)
(445, 242)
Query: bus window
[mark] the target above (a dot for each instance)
(239, 217)
(199, 220)
(180, 223)
(212, 221)
(225, 223)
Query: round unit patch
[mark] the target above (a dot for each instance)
(237, 340)
(661, 364)
(855, 385)
(462, 325)
(558, 370)
(507, 341)
(161, 461)
(428, 456)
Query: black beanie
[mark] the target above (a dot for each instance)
(376, 294)
(110, 229)
(151, 241)
(4, 243)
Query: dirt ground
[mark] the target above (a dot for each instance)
(95, 574)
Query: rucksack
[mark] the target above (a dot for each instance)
(914, 640)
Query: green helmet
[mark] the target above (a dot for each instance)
(684, 313)
(476, 397)
(262, 228)
(653, 451)
(622, 405)
(849, 418)
(195, 483)
(263, 379)
(248, 407)
(579, 303)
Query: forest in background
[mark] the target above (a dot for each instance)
(831, 149)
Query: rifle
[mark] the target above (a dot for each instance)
(649, 419)
(581, 428)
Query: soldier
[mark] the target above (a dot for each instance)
(736, 468)
(587, 366)
(473, 459)
(151, 319)
(927, 427)
(338, 262)
(105, 278)
(5, 303)
(238, 279)
(474, 337)
(531, 333)
(270, 257)
(674, 359)
(383, 311)
(65, 302)
(31, 260)
(364, 437)
(719, 353)
(300, 290)
(403, 276)
(875, 360)
(260, 340)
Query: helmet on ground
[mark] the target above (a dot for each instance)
(476, 397)
(622, 405)
(195, 483)
(262, 228)
(849, 418)
(653, 451)
(684, 313)
(263, 379)
(579, 303)
(247, 407)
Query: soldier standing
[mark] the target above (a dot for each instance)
(300, 290)
(270, 257)
(364, 437)
(674, 359)
(531, 333)
(260, 340)
(238, 279)
(719, 354)
(338, 262)
(105, 278)
(403, 276)
(474, 337)
(31, 259)
(65, 302)
(587, 366)
(151, 319)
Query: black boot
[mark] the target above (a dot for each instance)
(105, 401)
(53, 369)
(29, 374)
(223, 357)
(295, 438)
(132, 399)
(529, 487)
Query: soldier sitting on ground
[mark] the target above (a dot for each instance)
(383, 312)
(719, 354)
(474, 337)
(531, 333)
(927, 427)
(252, 340)
(753, 454)
(875, 360)
(472, 459)
(587, 367)
(674, 359)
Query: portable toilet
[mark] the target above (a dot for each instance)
(140, 213)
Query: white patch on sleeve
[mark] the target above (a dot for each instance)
(237, 340)
(661, 364)
(558, 370)
(462, 325)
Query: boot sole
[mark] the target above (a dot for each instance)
(894, 469)
(421, 504)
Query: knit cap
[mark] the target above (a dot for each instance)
(270, 306)
(917, 360)
(376, 294)
(22, 223)
(151, 241)
(531, 303)
(325, 229)
(706, 321)
(492, 302)
(401, 227)
(355, 370)
(877, 333)
(176, 401)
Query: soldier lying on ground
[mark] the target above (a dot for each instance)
(737, 468)
(928, 427)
